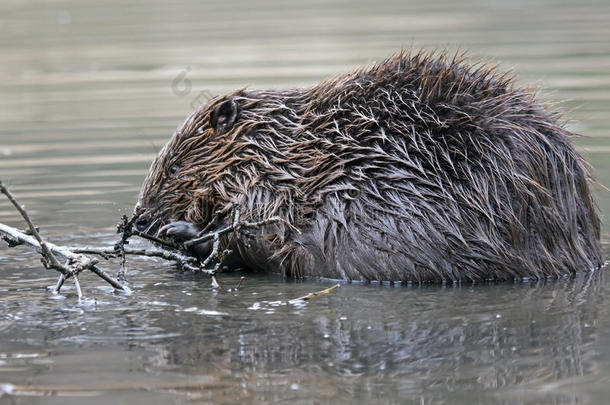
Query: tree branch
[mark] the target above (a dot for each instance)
(75, 263)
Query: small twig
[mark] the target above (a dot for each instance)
(214, 221)
(78, 289)
(125, 228)
(237, 226)
(162, 242)
(241, 280)
(236, 217)
(215, 283)
(214, 254)
(105, 253)
(184, 262)
(316, 294)
(50, 258)
(107, 278)
(272, 220)
(108, 252)
(11, 241)
(60, 283)
(208, 236)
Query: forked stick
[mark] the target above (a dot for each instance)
(75, 263)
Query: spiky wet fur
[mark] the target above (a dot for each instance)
(419, 168)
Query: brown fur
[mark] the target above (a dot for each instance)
(419, 168)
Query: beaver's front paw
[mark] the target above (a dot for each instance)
(179, 230)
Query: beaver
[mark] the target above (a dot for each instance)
(421, 168)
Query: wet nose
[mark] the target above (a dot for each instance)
(142, 223)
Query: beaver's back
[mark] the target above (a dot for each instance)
(422, 169)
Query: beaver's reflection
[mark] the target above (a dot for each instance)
(480, 337)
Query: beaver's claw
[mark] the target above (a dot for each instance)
(179, 230)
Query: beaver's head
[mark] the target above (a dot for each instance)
(182, 183)
(239, 148)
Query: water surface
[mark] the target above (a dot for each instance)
(88, 94)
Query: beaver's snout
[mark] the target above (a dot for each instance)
(142, 223)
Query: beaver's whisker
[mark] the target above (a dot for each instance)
(152, 225)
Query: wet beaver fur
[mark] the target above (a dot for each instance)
(419, 168)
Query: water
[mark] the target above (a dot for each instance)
(89, 92)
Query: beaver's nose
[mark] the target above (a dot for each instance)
(142, 223)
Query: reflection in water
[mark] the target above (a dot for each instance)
(86, 100)
(496, 343)
(475, 338)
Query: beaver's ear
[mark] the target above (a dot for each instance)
(224, 116)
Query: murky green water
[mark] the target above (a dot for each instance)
(89, 92)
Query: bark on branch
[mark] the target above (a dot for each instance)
(74, 262)
(71, 261)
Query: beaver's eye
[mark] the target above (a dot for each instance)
(171, 172)
(353, 193)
